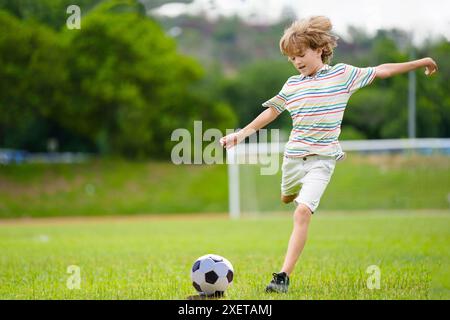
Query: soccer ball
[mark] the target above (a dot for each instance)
(212, 274)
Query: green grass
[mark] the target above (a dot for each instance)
(110, 187)
(150, 258)
(115, 187)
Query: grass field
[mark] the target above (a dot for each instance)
(151, 257)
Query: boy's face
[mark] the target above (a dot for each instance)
(308, 62)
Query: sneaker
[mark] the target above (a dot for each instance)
(279, 283)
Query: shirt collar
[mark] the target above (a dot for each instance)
(325, 68)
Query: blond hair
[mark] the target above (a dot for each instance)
(314, 33)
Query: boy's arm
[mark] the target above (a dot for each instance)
(391, 69)
(264, 118)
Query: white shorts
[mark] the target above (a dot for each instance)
(309, 175)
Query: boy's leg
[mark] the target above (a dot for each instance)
(319, 172)
(313, 173)
(302, 217)
(280, 281)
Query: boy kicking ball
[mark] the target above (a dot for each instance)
(316, 99)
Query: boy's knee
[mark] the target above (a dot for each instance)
(288, 199)
(302, 214)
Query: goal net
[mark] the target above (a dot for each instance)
(254, 170)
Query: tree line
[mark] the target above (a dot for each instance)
(121, 85)
(116, 86)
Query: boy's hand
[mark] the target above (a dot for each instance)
(430, 66)
(231, 140)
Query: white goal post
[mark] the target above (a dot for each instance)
(246, 151)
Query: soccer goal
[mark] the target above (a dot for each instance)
(254, 170)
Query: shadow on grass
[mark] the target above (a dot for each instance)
(203, 296)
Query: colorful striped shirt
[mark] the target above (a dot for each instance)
(316, 105)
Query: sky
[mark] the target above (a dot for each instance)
(424, 18)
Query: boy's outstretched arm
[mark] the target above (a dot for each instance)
(391, 69)
(263, 119)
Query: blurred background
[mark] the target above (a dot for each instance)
(86, 115)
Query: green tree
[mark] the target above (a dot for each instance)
(433, 98)
(380, 110)
(129, 87)
(49, 12)
(31, 76)
(116, 86)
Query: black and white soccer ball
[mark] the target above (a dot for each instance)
(212, 274)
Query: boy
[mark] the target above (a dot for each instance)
(316, 100)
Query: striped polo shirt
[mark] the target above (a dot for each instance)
(317, 104)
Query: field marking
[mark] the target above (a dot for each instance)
(113, 219)
(211, 216)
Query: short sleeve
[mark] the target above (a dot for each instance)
(278, 102)
(357, 78)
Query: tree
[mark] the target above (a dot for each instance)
(116, 86)
(129, 86)
(433, 99)
(49, 12)
(31, 76)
